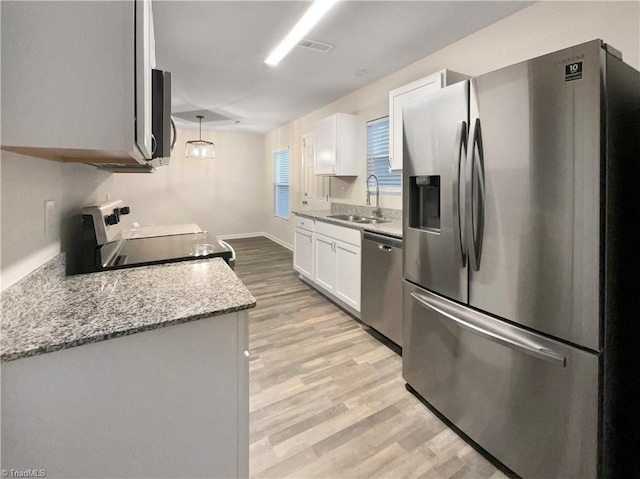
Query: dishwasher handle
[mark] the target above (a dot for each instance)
(389, 241)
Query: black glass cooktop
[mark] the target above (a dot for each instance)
(165, 249)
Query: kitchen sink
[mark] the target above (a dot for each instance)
(358, 219)
(348, 217)
(373, 220)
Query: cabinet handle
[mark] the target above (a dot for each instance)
(389, 162)
(310, 239)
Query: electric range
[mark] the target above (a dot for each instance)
(104, 248)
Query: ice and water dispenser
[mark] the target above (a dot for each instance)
(424, 202)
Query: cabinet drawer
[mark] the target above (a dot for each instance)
(304, 223)
(348, 235)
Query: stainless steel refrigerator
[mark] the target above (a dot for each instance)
(519, 230)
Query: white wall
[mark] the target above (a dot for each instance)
(541, 28)
(25, 186)
(223, 196)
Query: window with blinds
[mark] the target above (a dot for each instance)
(281, 184)
(378, 158)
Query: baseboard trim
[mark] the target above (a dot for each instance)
(240, 235)
(279, 241)
(337, 301)
(256, 235)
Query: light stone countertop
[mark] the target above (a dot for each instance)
(392, 228)
(94, 307)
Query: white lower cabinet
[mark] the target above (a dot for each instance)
(170, 402)
(325, 263)
(336, 253)
(336, 261)
(303, 252)
(348, 274)
(303, 246)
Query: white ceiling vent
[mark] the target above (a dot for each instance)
(316, 46)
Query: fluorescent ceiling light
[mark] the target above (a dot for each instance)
(309, 20)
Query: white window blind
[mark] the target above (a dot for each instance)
(378, 158)
(281, 184)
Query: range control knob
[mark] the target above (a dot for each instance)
(111, 219)
(125, 210)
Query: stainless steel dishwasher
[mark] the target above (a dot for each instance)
(382, 285)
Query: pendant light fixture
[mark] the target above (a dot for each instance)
(199, 148)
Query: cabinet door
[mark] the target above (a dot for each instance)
(303, 252)
(325, 146)
(143, 77)
(397, 98)
(325, 263)
(348, 274)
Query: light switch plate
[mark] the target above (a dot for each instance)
(49, 218)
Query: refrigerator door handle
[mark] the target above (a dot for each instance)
(485, 327)
(474, 210)
(458, 225)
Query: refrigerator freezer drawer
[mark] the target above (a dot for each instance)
(529, 401)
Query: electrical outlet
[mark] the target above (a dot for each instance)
(49, 218)
(108, 197)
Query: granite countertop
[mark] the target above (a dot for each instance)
(160, 230)
(94, 307)
(392, 228)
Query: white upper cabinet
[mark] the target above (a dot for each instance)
(339, 145)
(400, 96)
(76, 80)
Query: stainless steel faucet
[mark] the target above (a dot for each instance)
(376, 211)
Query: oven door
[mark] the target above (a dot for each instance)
(529, 401)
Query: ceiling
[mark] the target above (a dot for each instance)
(216, 50)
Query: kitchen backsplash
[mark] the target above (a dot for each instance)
(346, 209)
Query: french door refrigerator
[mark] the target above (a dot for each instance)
(519, 229)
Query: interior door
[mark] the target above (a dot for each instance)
(538, 125)
(435, 128)
(315, 189)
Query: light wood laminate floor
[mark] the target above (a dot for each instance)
(327, 399)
